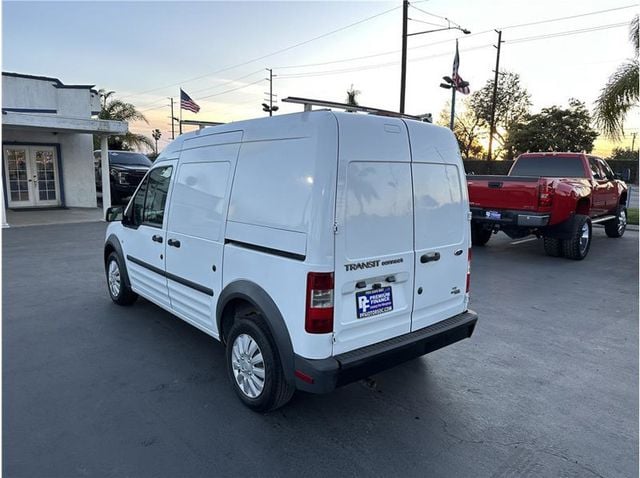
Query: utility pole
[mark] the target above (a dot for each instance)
(403, 68)
(492, 126)
(269, 108)
(633, 140)
(173, 130)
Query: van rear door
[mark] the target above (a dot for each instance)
(441, 210)
(374, 258)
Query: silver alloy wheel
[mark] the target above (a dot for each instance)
(114, 278)
(622, 221)
(248, 365)
(584, 238)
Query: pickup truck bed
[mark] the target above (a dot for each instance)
(558, 199)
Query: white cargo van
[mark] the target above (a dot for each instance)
(319, 247)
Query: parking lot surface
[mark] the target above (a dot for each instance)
(547, 385)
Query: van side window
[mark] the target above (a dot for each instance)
(156, 196)
(198, 200)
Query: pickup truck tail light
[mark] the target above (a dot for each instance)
(319, 313)
(545, 194)
(468, 270)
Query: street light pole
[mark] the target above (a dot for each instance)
(403, 67)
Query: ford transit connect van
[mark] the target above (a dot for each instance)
(319, 247)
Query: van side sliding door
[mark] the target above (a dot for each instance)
(195, 233)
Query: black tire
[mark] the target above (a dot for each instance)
(121, 295)
(578, 246)
(553, 246)
(616, 227)
(275, 391)
(479, 235)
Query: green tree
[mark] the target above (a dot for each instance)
(553, 129)
(624, 153)
(118, 110)
(620, 94)
(512, 105)
(468, 129)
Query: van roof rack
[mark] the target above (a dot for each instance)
(308, 103)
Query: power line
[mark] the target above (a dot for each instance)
(567, 18)
(565, 33)
(282, 50)
(373, 66)
(374, 55)
(232, 89)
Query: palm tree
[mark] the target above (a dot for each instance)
(620, 94)
(118, 110)
(352, 96)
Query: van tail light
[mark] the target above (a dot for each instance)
(545, 194)
(319, 314)
(468, 271)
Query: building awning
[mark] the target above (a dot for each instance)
(59, 124)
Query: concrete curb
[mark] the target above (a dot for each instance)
(633, 227)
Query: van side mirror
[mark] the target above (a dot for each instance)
(114, 214)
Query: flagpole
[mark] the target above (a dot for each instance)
(180, 110)
(453, 91)
(453, 107)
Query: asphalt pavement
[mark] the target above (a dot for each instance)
(547, 386)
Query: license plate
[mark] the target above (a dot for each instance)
(374, 302)
(493, 215)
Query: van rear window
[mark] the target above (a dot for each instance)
(549, 166)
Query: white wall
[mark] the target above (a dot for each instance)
(78, 173)
(30, 93)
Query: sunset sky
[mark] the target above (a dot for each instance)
(218, 51)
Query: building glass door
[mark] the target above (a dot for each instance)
(31, 174)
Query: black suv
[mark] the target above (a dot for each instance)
(126, 168)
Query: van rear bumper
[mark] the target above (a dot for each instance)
(329, 373)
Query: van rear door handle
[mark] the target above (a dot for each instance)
(173, 242)
(430, 257)
(156, 238)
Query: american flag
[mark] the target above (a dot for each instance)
(186, 103)
(457, 79)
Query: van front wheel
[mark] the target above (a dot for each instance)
(254, 366)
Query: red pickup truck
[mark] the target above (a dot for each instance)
(556, 196)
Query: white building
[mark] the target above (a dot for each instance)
(47, 142)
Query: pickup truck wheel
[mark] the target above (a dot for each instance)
(617, 226)
(577, 247)
(479, 235)
(254, 367)
(553, 246)
(119, 292)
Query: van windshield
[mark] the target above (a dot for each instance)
(549, 166)
(128, 158)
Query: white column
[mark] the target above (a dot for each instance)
(3, 216)
(106, 175)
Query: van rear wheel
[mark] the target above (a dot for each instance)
(254, 368)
